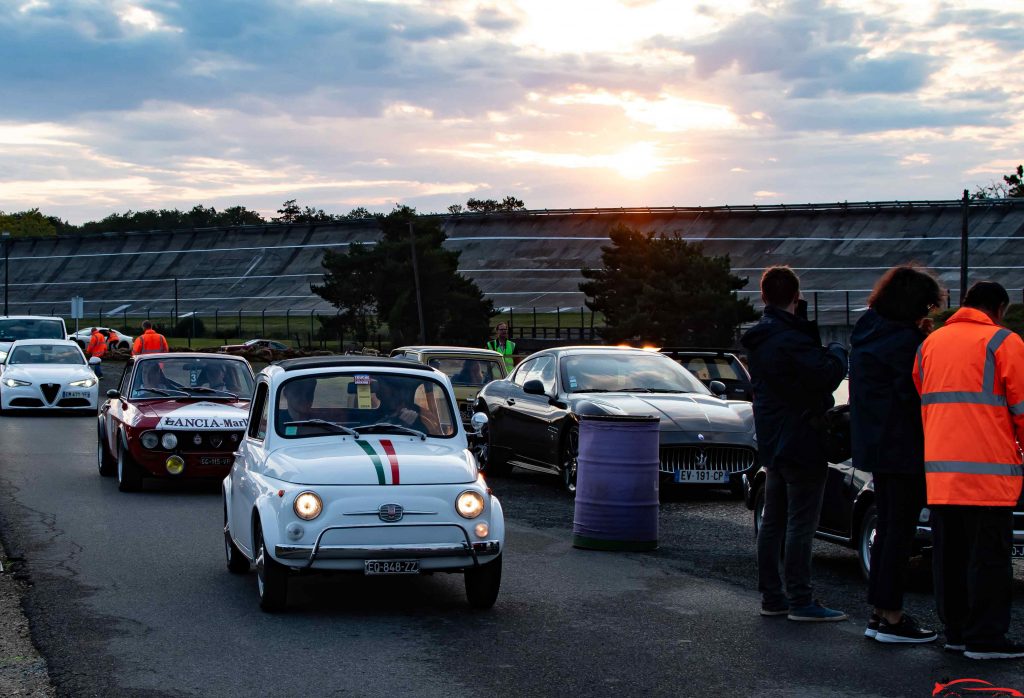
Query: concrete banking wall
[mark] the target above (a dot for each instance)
(521, 260)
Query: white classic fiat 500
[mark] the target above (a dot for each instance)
(359, 464)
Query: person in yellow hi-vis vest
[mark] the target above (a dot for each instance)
(503, 345)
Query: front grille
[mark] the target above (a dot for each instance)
(208, 440)
(73, 402)
(50, 391)
(731, 459)
(26, 402)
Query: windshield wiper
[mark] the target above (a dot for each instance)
(591, 390)
(324, 424)
(164, 393)
(388, 426)
(648, 390)
(203, 389)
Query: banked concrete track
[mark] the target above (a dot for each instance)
(521, 260)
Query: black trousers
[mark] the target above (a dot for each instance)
(898, 499)
(973, 571)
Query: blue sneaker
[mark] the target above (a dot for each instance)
(815, 613)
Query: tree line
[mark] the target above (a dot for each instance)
(34, 223)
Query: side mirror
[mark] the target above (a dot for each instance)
(113, 394)
(718, 388)
(93, 360)
(533, 387)
(479, 422)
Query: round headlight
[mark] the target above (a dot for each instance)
(175, 465)
(308, 506)
(168, 441)
(469, 504)
(150, 440)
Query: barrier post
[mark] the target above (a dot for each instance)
(240, 333)
(816, 316)
(311, 328)
(263, 319)
(558, 322)
(216, 325)
(847, 308)
(287, 323)
(341, 332)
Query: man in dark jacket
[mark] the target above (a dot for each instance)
(793, 378)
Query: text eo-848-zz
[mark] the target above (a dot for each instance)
(355, 464)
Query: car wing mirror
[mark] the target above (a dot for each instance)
(479, 422)
(113, 394)
(718, 388)
(533, 387)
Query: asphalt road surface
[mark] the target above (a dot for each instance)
(130, 597)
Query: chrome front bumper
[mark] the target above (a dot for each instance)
(312, 553)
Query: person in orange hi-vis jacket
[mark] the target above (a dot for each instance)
(150, 341)
(97, 348)
(970, 374)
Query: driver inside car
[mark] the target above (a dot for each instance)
(298, 395)
(215, 377)
(396, 407)
(153, 378)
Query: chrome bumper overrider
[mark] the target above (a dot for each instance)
(314, 552)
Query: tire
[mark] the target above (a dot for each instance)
(106, 463)
(237, 562)
(497, 461)
(271, 578)
(482, 584)
(129, 473)
(866, 539)
(570, 460)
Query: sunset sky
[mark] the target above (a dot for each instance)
(110, 105)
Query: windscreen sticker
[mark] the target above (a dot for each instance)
(363, 401)
(362, 379)
(572, 382)
(204, 416)
(291, 431)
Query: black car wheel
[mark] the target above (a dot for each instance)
(868, 531)
(237, 562)
(570, 460)
(271, 578)
(482, 583)
(129, 473)
(106, 463)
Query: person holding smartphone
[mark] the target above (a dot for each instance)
(793, 377)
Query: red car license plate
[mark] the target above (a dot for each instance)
(216, 461)
(391, 567)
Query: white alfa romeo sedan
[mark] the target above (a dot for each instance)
(358, 464)
(47, 373)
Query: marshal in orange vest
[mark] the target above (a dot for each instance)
(970, 374)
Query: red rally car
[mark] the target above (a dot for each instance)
(174, 416)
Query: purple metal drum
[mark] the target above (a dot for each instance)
(617, 483)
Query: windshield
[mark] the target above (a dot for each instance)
(192, 377)
(14, 328)
(358, 401)
(627, 372)
(47, 354)
(474, 372)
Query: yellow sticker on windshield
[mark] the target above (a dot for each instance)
(363, 397)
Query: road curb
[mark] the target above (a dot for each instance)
(23, 670)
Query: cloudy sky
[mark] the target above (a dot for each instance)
(109, 105)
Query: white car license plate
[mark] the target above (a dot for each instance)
(710, 476)
(391, 567)
(216, 461)
(1018, 550)
(74, 394)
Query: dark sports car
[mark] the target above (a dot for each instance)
(174, 415)
(533, 414)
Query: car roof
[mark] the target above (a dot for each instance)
(36, 341)
(441, 349)
(346, 361)
(31, 317)
(187, 355)
(598, 349)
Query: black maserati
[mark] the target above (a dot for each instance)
(533, 414)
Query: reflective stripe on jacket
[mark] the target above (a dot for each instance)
(97, 345)
(149, 342)
(506, 350)
(969, 375)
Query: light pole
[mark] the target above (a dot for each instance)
(416, 283)
(7, 255)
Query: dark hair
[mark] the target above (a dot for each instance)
(986, 295)
(780, 286)
(905, 293)
(147, 325)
